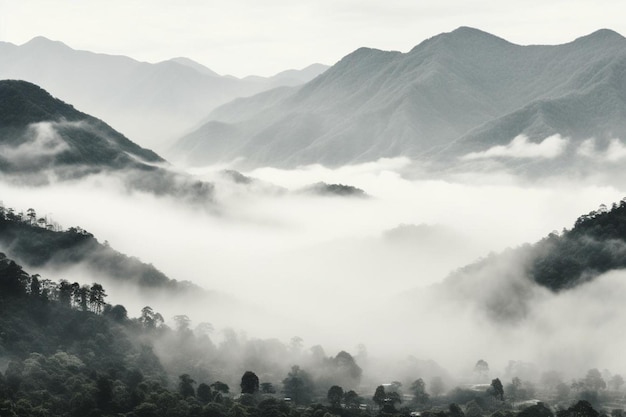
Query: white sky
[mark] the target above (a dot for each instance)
(244, 37)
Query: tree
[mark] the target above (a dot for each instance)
(514, 388)
(104, 395)
(182, 322)
(32, 216)
(482, 369)
(267, 388)
(249, 383)
(65, 291)
(295, 345)
(334, 396)
(96, 298)
(204, 393)
(117, 312)
(298, 386)
(580, 409)
(498, 389)
(185, 386)
(393, 398)
(418, 389)
(35, 285)
(379, 396)
(13, 279)
(346, 365)
(472, 409)
(594, 381)
(352, 399)
(204, 329)
(221, 387)
(81, 297)
(149, 318)
(455, 410)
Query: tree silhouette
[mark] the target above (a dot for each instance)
(185, 386)
(379, 396)
(418, 388)
(96, 298)
(334, 396)
(249, 383)
(298, 386)
(498, 389)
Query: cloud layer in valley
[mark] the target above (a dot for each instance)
(521, 148)
(335, 266)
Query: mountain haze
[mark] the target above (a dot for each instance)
(151, 103)
(44, 139)
(454, 94)
(39, 131)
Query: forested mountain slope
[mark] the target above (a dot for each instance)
(36, 127)
(31, 241)
(44, 139)
(595, 245)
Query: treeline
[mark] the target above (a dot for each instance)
(64, 351)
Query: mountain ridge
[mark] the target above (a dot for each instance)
(44, 140)
(151, 103)
(374, 103)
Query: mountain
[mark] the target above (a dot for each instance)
(38, 130)
(292, 77)
(448, 100)
(558, 263)
(31, 243)
(42, 139)
(195, 65)
(151, 103)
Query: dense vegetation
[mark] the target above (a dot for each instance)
(342, 190)
(596, 244)
(36, 241)
(65, 351)
(44, 139)
(89, 142)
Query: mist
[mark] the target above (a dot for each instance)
(343, 271)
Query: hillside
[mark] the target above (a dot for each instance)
(150, 103)
(452, 95)
(508, 284)
(39, 131)
(37, 245)
(44, 139)
(595, 245)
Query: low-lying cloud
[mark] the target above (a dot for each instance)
(334, 266)
(522, 148)
(41, 143)
(614, 152)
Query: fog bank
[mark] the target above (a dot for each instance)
(331, 269)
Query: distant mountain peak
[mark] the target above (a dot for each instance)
(42, 41)
(195, 65)
(601, 35)
(462, 35)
